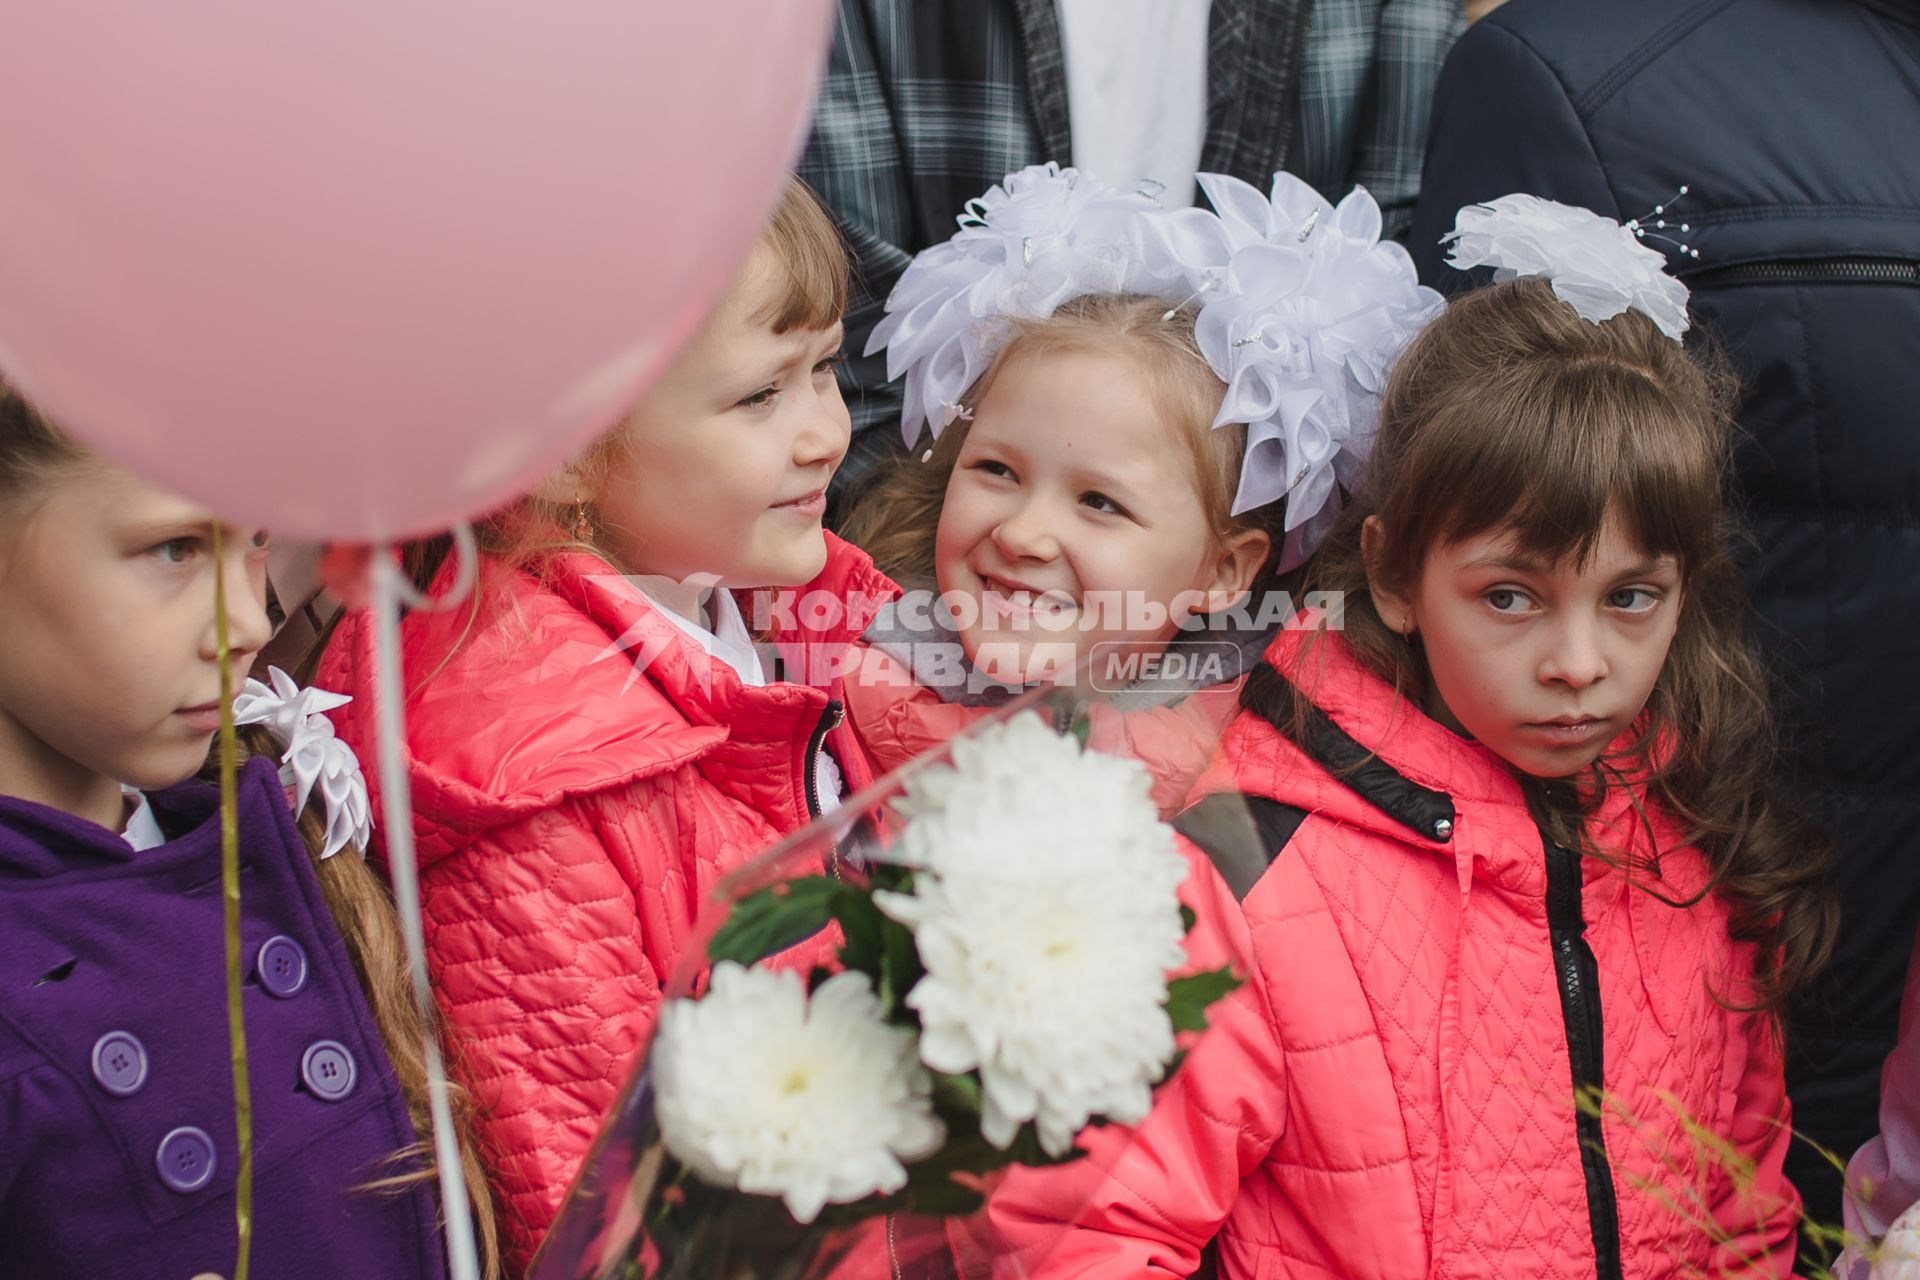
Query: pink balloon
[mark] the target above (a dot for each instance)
(362, 268)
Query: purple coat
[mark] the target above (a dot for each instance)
(117, 1152)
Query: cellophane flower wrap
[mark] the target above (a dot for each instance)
(958, 971)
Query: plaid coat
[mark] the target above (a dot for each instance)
(926, 103)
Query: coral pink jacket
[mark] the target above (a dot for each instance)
(1394, 1095)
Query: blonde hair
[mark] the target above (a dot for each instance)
(529, 531)
(896, 522)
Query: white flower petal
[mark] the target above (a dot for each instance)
(817, 1100)
(1046, 913)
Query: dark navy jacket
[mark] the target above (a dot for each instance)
(117, 1152)
(1796, 124)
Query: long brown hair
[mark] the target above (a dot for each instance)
(1512, 413)
(363, 911)
(897, 520)
(32, 451)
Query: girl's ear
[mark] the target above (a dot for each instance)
(1393, 607)
(1237, 562)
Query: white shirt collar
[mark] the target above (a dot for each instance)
(143, 829)
(729, 640)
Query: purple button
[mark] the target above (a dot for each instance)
(328, 1070)
(120, 1063)
(186, 1159)
(281, 967)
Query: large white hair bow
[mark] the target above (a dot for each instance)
(1303, 324)
(1043, 236)
(314, 757)
(1302, 309)
(1595, 265)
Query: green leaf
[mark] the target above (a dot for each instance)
(945, 1199)
(890, 876)
(1187, 918)
(1082, 729)
(773, 919)
(865, 930)
(1189, 997)
(900, 970)
(1027, 1150)
(957, 1093)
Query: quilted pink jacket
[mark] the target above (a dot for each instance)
(1393, 1095)
(582, 775)
(897, 720)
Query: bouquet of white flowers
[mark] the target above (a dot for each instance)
(963, 969)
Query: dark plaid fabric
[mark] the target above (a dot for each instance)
(927, 103)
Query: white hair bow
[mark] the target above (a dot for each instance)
(314, 757)
(1596, 266)
(1302, 309)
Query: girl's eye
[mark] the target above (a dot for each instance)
(262, 540)
(997, 469)
(830, 364)
(176, 550)
(1633, 600)
(760, 399)
(1101, 502)
(1506, 600)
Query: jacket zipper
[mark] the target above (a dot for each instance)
(809, 762)
(1578, 977)
(830, 719)
(1809, 271)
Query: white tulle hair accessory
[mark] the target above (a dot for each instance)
(1301, 309)
(1303, 323)
(314, 758)
(1595, 265)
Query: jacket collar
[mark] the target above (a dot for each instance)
(1373, 759)
(570, 681)
(39, 842)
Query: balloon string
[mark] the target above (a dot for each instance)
(230, 902)
(466, 571)
(396, 804)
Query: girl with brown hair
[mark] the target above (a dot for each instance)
(1532, 907)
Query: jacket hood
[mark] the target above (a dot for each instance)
(1374, 760)
(572, 681)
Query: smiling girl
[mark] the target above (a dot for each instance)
(1126, 477)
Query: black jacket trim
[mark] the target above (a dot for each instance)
(1429, 814)
(1241, 834)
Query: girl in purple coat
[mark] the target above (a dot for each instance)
(117, 1134)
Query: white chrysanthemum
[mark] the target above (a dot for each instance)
(815, 1100)
(1594, 264)
(1047, 914)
